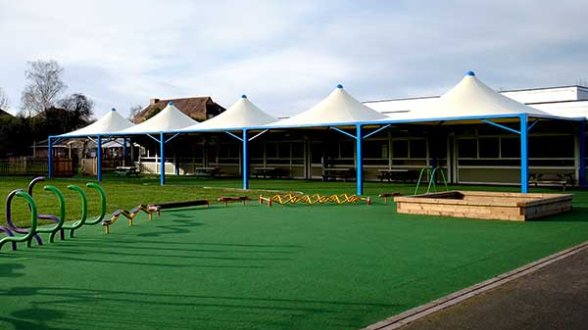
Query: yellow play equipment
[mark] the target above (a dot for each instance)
(291, 198)
(129, 215)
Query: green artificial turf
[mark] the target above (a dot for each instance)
(254, 267)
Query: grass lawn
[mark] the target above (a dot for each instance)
(254, 267)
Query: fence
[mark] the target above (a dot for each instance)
(36, 166)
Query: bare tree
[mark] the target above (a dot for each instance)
(3, 100)
(135, 110)
(44, 86)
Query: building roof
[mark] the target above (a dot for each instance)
(5, 113)
(109, 123)
(168, 119)
(240, 115)
(197, 108)
(337, 108)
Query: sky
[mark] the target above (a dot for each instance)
(288, 55)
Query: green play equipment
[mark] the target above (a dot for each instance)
(102, 194)
(52, 231)
(431, 174)
(32, 230)
(76, 225)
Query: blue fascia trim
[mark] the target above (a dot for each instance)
(343, 132)
(173, 137)
(377, 131)
(235, 136)
(258, 135)
(153, 138)
(532, 124)
(500, 126)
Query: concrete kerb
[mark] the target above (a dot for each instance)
(455, 298)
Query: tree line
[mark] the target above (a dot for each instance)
(45, 110)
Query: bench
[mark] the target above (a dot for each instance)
(385, 196)
(559, 179)
(403, 175)
(270, 172)
(127, 171)
(242, 199)
(174, 205)
(336, 173)
(207, 172)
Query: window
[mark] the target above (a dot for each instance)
(297, 150)
(346, 149)
(400, 149)
(418, 148)
(317, 153)
(510, 147)
(489, 147)
(375, 149)
(467, 148)
(551, 146)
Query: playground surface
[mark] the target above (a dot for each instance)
(254, 267)
(537, 301)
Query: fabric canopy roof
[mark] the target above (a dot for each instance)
(242, 114)
(167, 120)
(470, 98)
(337, 108)
(109, 123)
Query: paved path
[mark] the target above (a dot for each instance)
(554, 297)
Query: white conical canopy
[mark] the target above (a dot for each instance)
(109, 123)
(471, 98)
(169, 119)
(242, 114)
(339, 107)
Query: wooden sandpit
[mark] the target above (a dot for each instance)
(485, 205)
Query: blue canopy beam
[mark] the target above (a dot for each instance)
(172, 137)
(501, 126)
(234, 135)
(258, 135)
(377, 131)
(343, 132)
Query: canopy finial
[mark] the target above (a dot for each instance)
(243, 96)
(113, 109)
(471, 73)
(170, 103)
(339, 86)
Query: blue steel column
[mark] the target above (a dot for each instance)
(582, 137)
(245, 161)
(161, 160)
(124, 151)
(524, 155)
(99, 158)
(359, 162)
(50, 155)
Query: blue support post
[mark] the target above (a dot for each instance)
(50, 155)
(582, 137)
(162, 160)
(245, 161)
(124, 151)
(524, 155)
(359, 162)
(99, 158)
